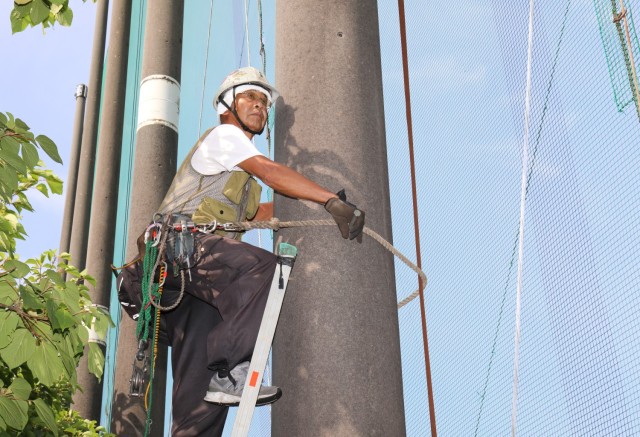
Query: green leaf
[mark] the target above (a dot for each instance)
(21, 348)
(3, 119)
(55, 277)
(21, 389)
(7, 226)
(30, 300)
(9, 179)
(10, 143)
(18, 24)
(39, 11)
(52, 309)
(63, 318)
(55, 9)
(20, 269)
(21, 126)
(30, 155)
(69, 363)
(95, 361)
(71, 297)
(13, 159)
(49, 147)
(8, 323)
(46, 415)
(43, 189)
(83, 334)
(55, 184)
(11, 122)
(45, 364)
(14, 412)
(8, 294)
(65, 17)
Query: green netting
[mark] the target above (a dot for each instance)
(614, 42)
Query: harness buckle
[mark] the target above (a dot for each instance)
(231, 227)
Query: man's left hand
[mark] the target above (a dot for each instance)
(348, 217)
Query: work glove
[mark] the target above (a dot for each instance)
(348, 217)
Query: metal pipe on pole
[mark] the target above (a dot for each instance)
(72, 178)
(154, 167)
(104, 208)
(337, 348)
(82, 203)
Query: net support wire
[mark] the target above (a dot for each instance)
(523, 196)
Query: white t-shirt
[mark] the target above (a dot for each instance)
(222, 150)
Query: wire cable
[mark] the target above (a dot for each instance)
(206, 63)
(523, 196)
(246, 31)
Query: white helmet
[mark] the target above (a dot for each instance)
(245, 76)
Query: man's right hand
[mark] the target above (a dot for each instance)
(348, 217)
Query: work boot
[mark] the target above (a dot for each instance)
(225, 388)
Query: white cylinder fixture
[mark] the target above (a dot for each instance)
(159, 101)
(94, 337)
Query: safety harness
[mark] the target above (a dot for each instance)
(170, 244)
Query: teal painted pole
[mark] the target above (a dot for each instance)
(154, 168)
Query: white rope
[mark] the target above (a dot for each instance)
(206, 62)
(246, 30)
(523, 189)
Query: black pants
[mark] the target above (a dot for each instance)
(216, 324)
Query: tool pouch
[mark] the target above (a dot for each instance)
(235, 190)
(182, 246)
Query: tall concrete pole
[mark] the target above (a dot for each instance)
(72, 178)
(154, 168)
(337, 352)
(102, 229)
(82, 204)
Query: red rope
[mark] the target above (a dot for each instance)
(407, 94)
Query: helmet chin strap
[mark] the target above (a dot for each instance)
(235, 114)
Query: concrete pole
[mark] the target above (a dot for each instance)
(102, 229)
(72, 178)
(82, 204)
(337, 349)
(154, 168)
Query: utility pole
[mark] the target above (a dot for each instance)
(154, 168)
(337, 348)
(104, 208)
(82, 204)
(72, 178)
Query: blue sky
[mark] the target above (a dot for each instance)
(40, 74)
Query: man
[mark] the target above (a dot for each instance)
(214, 329)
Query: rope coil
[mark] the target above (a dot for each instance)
(276, 224)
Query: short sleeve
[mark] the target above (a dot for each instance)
(222, 150)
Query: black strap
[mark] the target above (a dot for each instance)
(235, 114)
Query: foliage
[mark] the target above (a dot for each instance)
(20, 170)
(46, 12)
(47, 309)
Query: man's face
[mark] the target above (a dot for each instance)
(252, 107)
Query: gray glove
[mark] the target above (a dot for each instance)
(348, 217)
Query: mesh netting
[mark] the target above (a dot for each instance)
(579, 350)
